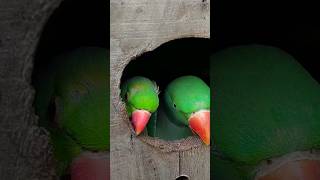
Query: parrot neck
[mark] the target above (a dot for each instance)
(173, 116)
(167, 127)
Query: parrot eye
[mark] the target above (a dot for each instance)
(79, 91)
(174, 105)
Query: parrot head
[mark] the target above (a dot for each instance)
(82, 99)
(187, 100)
(141, 98)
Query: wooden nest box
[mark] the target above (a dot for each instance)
(138, 27)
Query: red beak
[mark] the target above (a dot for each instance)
(91, 166)
(199, 122)
(295, 170)
(139, 120)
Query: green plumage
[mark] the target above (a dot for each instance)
(72, 101)
(225, 170)
(161, 126)
(140, 93)
(182, 97)
(265, 104)
(65, 149)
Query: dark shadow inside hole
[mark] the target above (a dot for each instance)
(74, 24)
(180, 57)
(188, 56)
(182, 177)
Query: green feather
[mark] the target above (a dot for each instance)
(65, 149)
(152, 124)
(140, 93)
(225, 170)
(182, 97)
(82, 87)
(72, 101)
(166, 129)
(265, 104)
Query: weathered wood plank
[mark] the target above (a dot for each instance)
(196, 163)
(136, 27)
(133, 159)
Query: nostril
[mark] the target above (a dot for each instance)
(183, 177)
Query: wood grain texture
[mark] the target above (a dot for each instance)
(196, 163)
(137, 27)
(24, 152)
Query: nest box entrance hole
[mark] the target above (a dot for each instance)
(173, 59)
(74, 24)
(183, 177)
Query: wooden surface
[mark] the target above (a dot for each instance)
(136, 27)
(24, 148)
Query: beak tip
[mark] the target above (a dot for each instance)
(139, 120)
(138, 132)
(200, 124)
(207, 142)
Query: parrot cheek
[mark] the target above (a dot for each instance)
(295, 170)
(91, 166)
(139, 119)
(199, 122)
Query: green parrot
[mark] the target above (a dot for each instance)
(266, 105)
(184, 107)
(72, 102)
(140, 95)
(224, 169)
